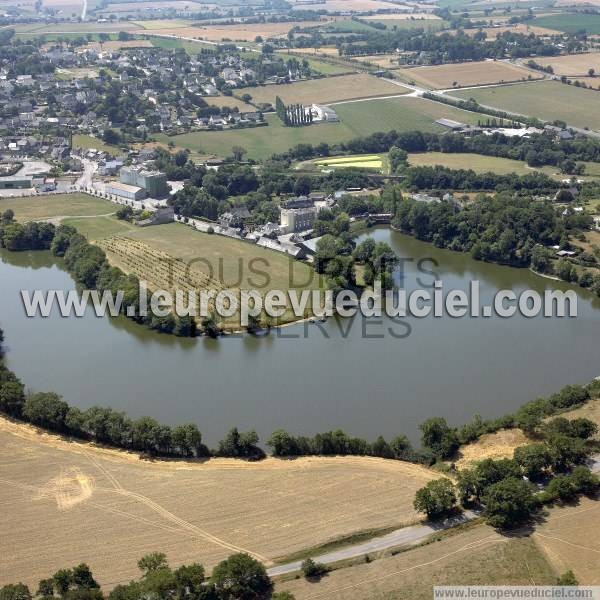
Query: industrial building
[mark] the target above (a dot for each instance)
(16, 182)
(153, 182)
(124, 190)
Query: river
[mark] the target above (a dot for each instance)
(349, 374)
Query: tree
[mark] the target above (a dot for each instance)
(282, 443)
(534, 459)
(83, 578)
(439, 437)
(591, 72)
(560, 488)
(238, 153)
(313, 570)
(436, 499)
(46, 409)
(189, 579)
(566, 451)
(302, 186)
(152, 562)
(567, 578)
(8, 216)
(241, 577)
(18, 591)
(508, 503)
(283, 596)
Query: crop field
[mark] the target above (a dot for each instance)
(405, 22)
(477, 162)
(385, 61)
(361, 161)
(162, 23)
(221, 262)
(570, 22)
(467, 74)
(81, 28)
(327, 90)
(230, 101)
(37, 208)
(192, 47)
(317, 65)
(569, 537)
(357, 119)
(118, 7)
(118, 45)
(573, 64)
(350, 5)
(325, 51)
(493, 32)
(62, 494)
(476, 556)
(548, 100)
(402, 17)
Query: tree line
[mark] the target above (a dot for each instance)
(238, 577)
(293, 115)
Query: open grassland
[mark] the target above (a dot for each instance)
(317, 65)
(477, 162)
(475, 556)
(88, 142)
(38, 208)
(63, 495)
(386, 61)
(230, 102)
(467, 74)
(191, 47)
(570, 22)
(112, 45)
(402, 17)
(99, 227)
(548, 100)
(325, 51)
(162, 23)
(357, 119)
(121, 7)
(80, 28)
(570, 539)
(573, 64)
(393, 22)
(327, 90)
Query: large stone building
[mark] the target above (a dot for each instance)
(153, 182)
(295, 220)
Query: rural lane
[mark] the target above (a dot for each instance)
(407, 535)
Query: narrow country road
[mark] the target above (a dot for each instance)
(405, 536)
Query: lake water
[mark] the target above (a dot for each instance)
(349, 374)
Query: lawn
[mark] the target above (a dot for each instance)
(35, 208)
(88, 142)
(326, 90)
(570, 22)
(467, 74)
(98, 228)
(548, 100)
(357, 119)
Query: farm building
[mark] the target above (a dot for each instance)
(153, 182)
(16, 182)
(324, 114)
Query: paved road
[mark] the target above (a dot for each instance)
(401, 537)
(86, 178)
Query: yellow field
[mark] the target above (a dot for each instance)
(71, 502)
(477, 556)
(569, 537)
(381, 60)
(324, 91)
(368, 161)
(497, 445)
(325, 51)
(467, 74)
(573, 64)
(238, 32)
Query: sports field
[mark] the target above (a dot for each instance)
(357, 119)
(477, 556)
(570, 22)
(467, 74)
(63, 495)
(327, 90)
(548, 100)
(38, 208)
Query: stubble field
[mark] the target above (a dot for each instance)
(70, 502)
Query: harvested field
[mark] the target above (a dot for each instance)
(326, 51)
(231, 102)
(351, 5)
(61, 495)
(328, 90)
(569, 537)
(467, 74)
(385, 61)
(475, 556)
(136, 7)
(38, 208)
(547, 100)
(403, 17)
(237, 32)
(117, 45)
(573, 64)
(497, 445)
(590, 410)
(493, 32)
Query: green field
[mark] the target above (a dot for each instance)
(35, 208)
(192, 48)
(317, 65)
(88, 142)
(349, 26)
(357, 119)
(547, 100)
(98, 228)
(426, 24)
(360, 161)
(570, 22)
